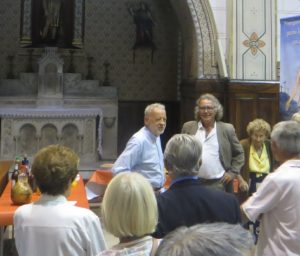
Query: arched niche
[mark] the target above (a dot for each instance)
(70, 137)
(49, 135)
(27, 141)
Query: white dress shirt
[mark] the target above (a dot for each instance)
(211, 167)
(276, 204)
(54, 226)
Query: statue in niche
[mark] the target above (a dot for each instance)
(144, 24)
(52, 14)
(52, 23)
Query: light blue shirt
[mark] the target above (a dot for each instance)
(143, 154)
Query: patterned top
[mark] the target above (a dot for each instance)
(139, 247)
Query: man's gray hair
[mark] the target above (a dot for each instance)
(216, 103)
(214, 239)
(153, 106)
(183, 155)
(286, 135)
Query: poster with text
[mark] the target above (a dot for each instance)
(289, 67)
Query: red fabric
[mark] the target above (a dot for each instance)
(7, 208)
(103, 177)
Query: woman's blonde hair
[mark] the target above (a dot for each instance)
(129, 207)
(259, 125)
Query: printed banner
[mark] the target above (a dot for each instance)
(289, 67)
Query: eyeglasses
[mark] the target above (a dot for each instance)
(207, 108)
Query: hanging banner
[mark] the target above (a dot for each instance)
(289, 67)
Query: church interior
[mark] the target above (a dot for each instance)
(115, 58)
(80, 72)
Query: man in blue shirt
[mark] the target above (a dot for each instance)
(143, 153)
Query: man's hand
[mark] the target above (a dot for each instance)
(227, 177)
(243, 185)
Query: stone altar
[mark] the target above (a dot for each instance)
(53, 107)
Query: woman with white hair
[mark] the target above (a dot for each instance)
(129, 212)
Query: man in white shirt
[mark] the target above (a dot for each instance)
(276, 202)
(222, 154)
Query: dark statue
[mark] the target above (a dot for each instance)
(143, 21)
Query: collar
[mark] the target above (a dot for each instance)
(150, 134)
(182, 178)
(51, 200)
(201, 127)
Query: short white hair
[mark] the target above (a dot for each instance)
(183, 154)
(214, 239)
(286, 135)
(153, 106)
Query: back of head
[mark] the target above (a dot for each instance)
(54, 168)
(214, 239)
(129, 207)
(286, 135)
(183, 155)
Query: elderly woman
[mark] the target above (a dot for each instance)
(258, 162)
(129, 212)
(52, 225)
(258, 155)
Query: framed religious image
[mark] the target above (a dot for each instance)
(57, 23)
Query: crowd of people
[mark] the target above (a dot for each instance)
(197, 215)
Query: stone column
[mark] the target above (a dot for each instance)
(26, 23)
(78, 24)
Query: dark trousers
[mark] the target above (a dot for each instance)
(254, 179)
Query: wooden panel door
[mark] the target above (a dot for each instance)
(250, 100)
